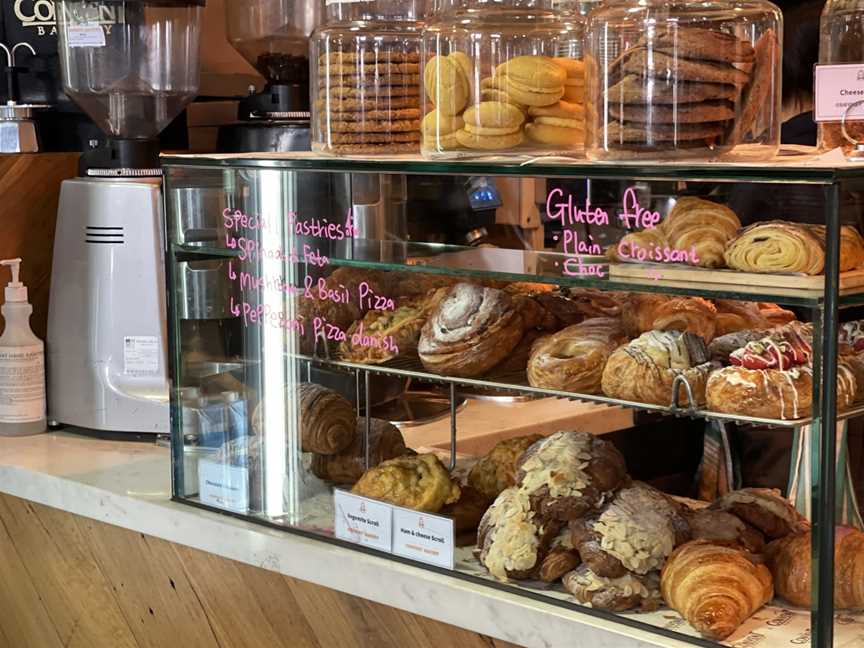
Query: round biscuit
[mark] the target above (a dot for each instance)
(529, 98)
(369, 57)
(488, 142)
(494, 114)
(493, 94)
(561, 123)
(562, 109)
(486, 130)
(370, 126)
(574, 83)
(372, 138)
(376, 69)
(555, 135)
(536, 72)
(574, 68)
(435, 123)
(441, 143)
(464, 63)
(371, 149)
(574, 94)
(445, 85)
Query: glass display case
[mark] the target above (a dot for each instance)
(575, 382)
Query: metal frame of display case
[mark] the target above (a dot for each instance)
(825, 307)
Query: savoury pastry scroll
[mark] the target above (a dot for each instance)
(701, 225)
(470, 331)
(573, 359)
(645, 369)
(776, 247)
(419, 482)
(716, 588)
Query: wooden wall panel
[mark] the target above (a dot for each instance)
(29, 192)
(72, 581)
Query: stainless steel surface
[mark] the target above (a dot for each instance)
(197, 215)
(378, 207)
(204, 291)
(416, 408)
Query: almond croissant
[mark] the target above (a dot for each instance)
(716, 588)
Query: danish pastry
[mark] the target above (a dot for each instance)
(776, 247)
(419, 482)
(569, 474)
(470, 331)
(701, 225)
(497, 470)
(649, 312)
(716, 588)
(573, 359)
(645, 369)
(385, 442)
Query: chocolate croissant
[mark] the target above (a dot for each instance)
(573, 359)
(790, 558)
(327, 420)
(470, 331)
(701, 225)
(645, 369)
(716, 588)
(385, 442)
(645, 312)
(777, 247)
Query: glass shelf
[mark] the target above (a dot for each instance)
(543, 267)
(794, 165)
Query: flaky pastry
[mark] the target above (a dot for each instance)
(645, 312)
(497, 470)
(419, 482)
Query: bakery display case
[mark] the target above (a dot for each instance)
(683, 80)
(503, 77)
(563, 414)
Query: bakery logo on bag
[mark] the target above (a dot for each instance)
(41, 15)
(752, 639)
(802, 639)
(782, 618)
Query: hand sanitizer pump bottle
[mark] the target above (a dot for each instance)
(22, 364)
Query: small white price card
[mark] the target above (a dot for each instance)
(363, 521)
(223, 486)
(423, 537)
(836, 88)
(86, 36)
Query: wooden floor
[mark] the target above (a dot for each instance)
(69, 581)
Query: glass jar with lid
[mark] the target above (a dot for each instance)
(502, 77)
(365, 69)
(683, 79)
(841, 41)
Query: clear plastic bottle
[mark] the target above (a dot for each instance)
(841, 40)
(22, 364)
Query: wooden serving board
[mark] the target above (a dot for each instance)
(689, 274)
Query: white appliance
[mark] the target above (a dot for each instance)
(132, 65)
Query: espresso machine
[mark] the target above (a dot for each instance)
(273, 35)
(132, 65)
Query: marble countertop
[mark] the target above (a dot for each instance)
(128, 484)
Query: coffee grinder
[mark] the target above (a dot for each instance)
(132, 65)
(273, 35)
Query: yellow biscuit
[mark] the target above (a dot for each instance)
(525, 87)
(562, 109)
(486, 130)
(461, 59)
(562, 123)
(575, 83)
(494, 114)
(529, 98)
(555, 135)
(494, 94)
(574, 94)
(537, 72)
(441, 143)
(574, 68)
(435, 123)
(445, 85)
(488, 142)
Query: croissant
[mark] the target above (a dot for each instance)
(776, 315)
(763, 508)
(385, 442)
(572, 305)
(645, 312)
(716, 588)
(733, 316)
(573, 359)
(776, 246)
(703, 225)
(645, 369)
(327, 420)
(851, 245)
(470, 331)
(789, 559)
